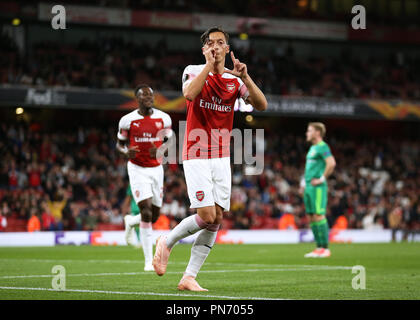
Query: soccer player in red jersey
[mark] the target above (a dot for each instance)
(141, 134)
(211, 91)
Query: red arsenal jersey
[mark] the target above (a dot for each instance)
(142, 132)
(210, 114)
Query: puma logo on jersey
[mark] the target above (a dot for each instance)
(136, 124)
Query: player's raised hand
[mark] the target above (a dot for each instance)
(239, 69)
(210, 55)
(132, 151)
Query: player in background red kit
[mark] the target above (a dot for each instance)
(140, 134)
(211, 91)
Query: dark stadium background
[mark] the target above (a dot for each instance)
(65, 148)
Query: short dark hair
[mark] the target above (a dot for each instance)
(205, 36)
(139, 87)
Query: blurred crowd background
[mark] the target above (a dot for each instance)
(77, 181)
(112, 62)
(383, 12)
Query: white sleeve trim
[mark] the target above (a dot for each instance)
(124, 124)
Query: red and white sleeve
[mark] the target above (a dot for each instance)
(243, 90)
(123, 129)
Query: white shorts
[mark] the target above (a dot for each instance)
(209, 181)
(146, 182)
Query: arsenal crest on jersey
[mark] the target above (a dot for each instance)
(230, 87)
(199, 195)
(158, 125)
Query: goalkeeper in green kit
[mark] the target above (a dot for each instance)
(320, 163)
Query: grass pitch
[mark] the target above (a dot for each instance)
(230, 272)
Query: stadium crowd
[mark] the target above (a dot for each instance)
(115, 63)
(379, 14)
(77, 181)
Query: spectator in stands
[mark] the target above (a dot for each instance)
(47, 218)
(91, 220)
(290, 75)
(3, 221)
(77, 218)
(34, 224)
(56, 207)
(395, 219)
(116, 218)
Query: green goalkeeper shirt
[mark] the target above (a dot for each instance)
(315, 161)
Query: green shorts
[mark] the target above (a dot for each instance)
(315, 199)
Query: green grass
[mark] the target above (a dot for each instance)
(231, 271)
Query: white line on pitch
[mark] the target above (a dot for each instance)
(176, 262)
(141, 293)
(169, 272)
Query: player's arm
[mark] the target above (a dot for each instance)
(156, 152)
(123, 139)
(125, 150)
(168, 140)
(329, 168)
(167, 136)
(330, 165)
(256, 98)
(194, 86)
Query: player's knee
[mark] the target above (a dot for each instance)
(209, 219)
(208, 215)
(146, 212)
(146, 217)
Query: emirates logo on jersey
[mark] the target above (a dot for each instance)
(230, 87)
(158, 125)
(199, 195)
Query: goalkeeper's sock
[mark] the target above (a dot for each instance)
(201, 249)
(185, 228)
(137, 232)
(314, 228)
(323, 232)
(146, 241)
